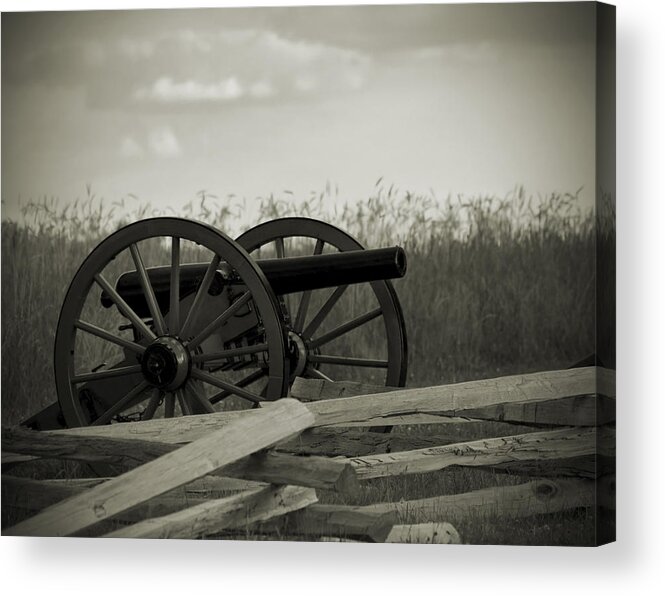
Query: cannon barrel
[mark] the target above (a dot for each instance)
(288, 275)
(298, 274)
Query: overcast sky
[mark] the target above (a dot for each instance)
(162, 104)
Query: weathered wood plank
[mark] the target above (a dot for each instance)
(319, 389)
(580, 410)
(525, 394)
(125, 453)
(245, 436)
(548, 445)
(427, 533)
(351, 442)
(282, 468)
(586, 466)
(279, 468)
(213, 516)
(30, 495)
(429, 405)
(337, 520)
(10, 459)
(522, 500)
(441, 418)
(179, 430)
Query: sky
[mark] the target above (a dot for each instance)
(162, 104)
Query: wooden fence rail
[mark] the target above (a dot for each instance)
(240, 439)
(213, 474)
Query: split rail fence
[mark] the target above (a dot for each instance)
(258, 471)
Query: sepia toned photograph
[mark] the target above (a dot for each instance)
(310, 273)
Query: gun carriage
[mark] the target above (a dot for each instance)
(196, 320)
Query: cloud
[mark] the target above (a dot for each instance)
(461, 52)
(262, 90)
(130, 148)
(166, 90)
(174, 69)
(305, 83)
(163, 142)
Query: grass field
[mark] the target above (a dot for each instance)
(494, 286)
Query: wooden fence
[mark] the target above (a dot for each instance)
(258, 471)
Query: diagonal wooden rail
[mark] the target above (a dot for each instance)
(549, 445)
(427, 405)
(242, 438)
(280, 468)
(215, 515)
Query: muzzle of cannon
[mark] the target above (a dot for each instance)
(170, 317)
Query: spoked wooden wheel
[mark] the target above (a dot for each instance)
(352, 332)
(183, 341)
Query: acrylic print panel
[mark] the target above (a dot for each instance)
(310, 273)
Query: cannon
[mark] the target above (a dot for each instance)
(196, 322)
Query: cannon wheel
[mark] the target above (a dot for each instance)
(166, 333)
(304, 331)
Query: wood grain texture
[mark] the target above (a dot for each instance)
(463, 398)
(283, 468)
(337, 520)
(580, 410)
(27, 495)
(213, 516)
(320, 389)
(548, 445)
(430, 405)
(178, 430)
(243, 437)
(352, 442)
(522, 500)
(585, 466)
(278, 468)
(427, 533)
(122, 452)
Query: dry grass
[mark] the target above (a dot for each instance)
(494, 286)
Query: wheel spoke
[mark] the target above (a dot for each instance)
(320, 316)
(314, 373)
(212, 380)
(169, 406)
(121, 371)
(120, 405)
(248, 380)
(174, 300)
(123, 307)
(153, 404)
(103, 334)
(280, 251)
(200, 294)
(220, 320)
(199, 398)
(345, 328)
(182, 401)
(346, 361)
(148, 292)
(279, 248)
(231, 353)
(306, 296)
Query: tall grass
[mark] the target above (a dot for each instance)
(493, 285)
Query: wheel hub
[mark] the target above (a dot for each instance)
(166, 363)
(297, 353)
